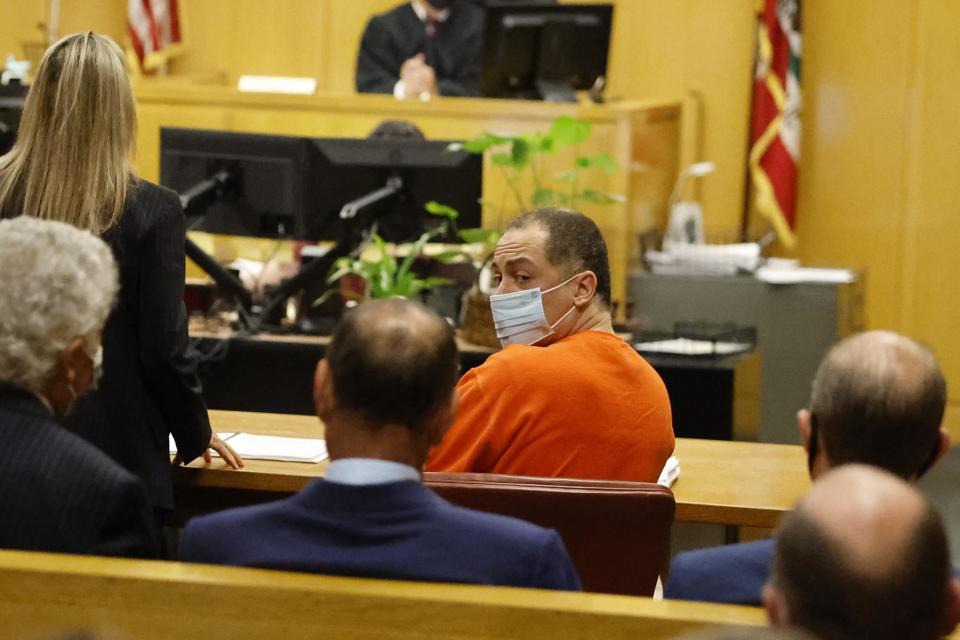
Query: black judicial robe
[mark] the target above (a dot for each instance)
(454, 51)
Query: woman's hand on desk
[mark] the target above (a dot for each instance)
(224, 450)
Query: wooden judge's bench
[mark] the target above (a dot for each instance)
(642, 136)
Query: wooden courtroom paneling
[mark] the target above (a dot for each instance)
(878, 187)
(46, 594)
(660, 49)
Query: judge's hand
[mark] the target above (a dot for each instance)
(224, 450)
(418, 77)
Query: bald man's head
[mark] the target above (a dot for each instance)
(862, 556)
(393, 361)
(878, 398)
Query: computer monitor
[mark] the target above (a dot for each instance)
(263, 183)
(405, 174)
(536, 51)
(12, 98)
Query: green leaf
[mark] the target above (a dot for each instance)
(477, 145)
(602, 161)
(449, 257)
(521, 152)
(605, 162)
(425, 284)
(437, 209)
(483, 142)
(544, 198)
(503, 160)
(566, 176)
(403, 285)
(415, 252)
(566, 131)
(474, 236)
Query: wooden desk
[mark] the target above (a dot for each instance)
(725, 483)
(642, 136)
(738, 483)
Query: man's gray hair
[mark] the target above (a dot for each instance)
(57, 283)
(878, 398)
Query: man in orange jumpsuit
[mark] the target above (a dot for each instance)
(566, 397)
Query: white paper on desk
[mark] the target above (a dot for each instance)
(689, 347)
(670, 473)
(256, 447)
(804, 274)
(173, 445)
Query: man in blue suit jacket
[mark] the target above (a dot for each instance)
(386, 393)
(878, 398)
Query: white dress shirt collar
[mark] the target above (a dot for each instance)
(367, 471)
(422, 13)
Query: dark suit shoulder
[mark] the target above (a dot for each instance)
(69, 486)
(469, 13)
(733, 574)
(149, 197)
(53, 444)
(399, 15)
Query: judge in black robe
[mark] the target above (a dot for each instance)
(451, 47)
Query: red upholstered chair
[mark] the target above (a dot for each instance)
(617, 533)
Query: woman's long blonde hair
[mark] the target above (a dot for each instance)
(71, 161)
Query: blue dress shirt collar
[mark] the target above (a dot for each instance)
(367, 471)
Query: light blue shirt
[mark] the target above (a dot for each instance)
(367, 471)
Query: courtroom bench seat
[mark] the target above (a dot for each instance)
(43, 593)
(617, 533)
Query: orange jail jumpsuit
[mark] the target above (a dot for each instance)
(587, 406)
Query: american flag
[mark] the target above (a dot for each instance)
(775, 127)
(155, 31)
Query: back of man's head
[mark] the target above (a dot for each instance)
(392, 362)
(574, 244)
(862, 556)
(878, 398)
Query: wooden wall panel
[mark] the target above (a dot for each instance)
(929, 298)
(678, 48)
(851, 186)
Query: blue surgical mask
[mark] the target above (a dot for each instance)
(519, 317)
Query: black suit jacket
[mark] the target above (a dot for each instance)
(150, 386)
(392, 38)
(58, 493)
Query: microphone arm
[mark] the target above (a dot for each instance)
(198, 198)
(348, 240)
(195, 202)
(351, 209)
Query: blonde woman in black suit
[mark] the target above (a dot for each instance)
(71, 163)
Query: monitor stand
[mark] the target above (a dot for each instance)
(556, 91)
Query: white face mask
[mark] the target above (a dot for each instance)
(97, 368)
(519, 317)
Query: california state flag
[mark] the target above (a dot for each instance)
(775, 125)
